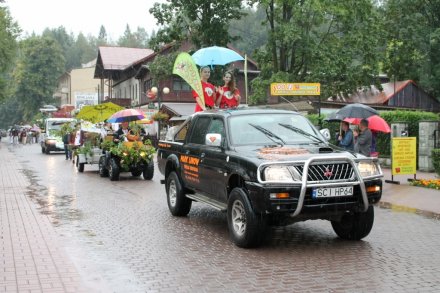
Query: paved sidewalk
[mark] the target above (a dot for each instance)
(31, 257)
(410, 198)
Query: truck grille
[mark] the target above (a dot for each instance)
(328, 172)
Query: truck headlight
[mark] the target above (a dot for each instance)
(277, 173)
(368, 168)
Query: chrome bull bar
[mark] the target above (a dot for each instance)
(304, 184)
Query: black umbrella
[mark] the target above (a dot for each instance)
(333, 117)
(356, 111)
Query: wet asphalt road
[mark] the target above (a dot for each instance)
(122, 238)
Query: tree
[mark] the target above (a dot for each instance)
(138, 39)
(86, 50)
(413, 42)
(102, 37)
(331, 42)
(248, 32)
(205, 23)
(40, 64)
(9, 31)
(66, 41)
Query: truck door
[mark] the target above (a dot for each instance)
(213, 164)
(190, 156)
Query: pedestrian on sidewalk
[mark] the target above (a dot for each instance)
(345, 138)
(363, 138)
(66, 139)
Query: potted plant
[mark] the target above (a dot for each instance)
(135, 131)
(160, 116)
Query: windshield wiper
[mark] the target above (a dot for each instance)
(268, 133)
(300, 131)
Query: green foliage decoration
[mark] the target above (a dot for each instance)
(86, 149)
(133, 154)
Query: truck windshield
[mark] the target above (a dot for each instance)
(246, 129)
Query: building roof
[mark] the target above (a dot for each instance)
(119, 58)
(373, 95)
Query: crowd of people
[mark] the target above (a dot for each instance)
(22, 136)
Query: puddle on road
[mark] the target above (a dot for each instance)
(59, 208)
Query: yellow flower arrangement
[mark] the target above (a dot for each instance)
(428, 183)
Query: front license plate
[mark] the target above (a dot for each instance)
(332, 191)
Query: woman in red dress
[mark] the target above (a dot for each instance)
(228, 96)
(209, 92)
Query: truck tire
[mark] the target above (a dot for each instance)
(354, 226)
(42, 150)
(46, 151)
(178, 204)
(103, 172)
(148, 172)
(245, 227)
(113, 170)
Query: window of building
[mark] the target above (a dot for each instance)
(148, 84)
(180, 85)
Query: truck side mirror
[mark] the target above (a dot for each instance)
(326, 133)
(213, 139)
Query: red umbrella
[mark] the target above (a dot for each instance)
(375, 123)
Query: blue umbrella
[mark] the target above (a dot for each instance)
(215, 56)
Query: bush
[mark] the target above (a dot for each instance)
(436, 160)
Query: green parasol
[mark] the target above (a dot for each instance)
(98, 113)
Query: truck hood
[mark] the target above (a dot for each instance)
(260, 154)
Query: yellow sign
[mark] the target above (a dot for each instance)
(404, 155)
(295, 89)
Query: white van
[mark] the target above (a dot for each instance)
(50, 140)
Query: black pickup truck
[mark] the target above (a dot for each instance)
(266, 168)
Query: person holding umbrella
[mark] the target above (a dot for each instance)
(363, 138)
(228, 96)
(345, 137)
(209, 92)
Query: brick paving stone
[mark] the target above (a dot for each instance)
(27, 237)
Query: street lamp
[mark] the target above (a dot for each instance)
(155, 91)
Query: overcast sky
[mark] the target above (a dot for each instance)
(84, 16)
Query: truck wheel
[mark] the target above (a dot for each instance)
(178, 204)
(113, 170)
(46, 151)
(42, 150)
(245, 227)
(81, 167)
(355, 226)
(103, 172)
(149, 171)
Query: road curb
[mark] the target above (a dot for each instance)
(405, 209)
